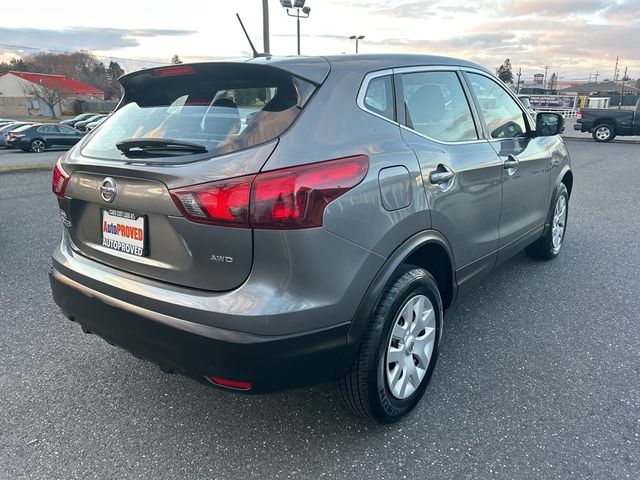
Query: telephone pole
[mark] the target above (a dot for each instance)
(615, 70)
(624, 79)
(518, 85)
(546, 67)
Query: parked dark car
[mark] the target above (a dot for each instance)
(37, 138)
(4, 131)
(321, 239)
(72, 121)
(81, 125)
(605, 124)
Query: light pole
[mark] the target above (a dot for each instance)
(298, 6)
(356, 38)
(265, 26)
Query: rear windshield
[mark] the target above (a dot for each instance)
(223, 108)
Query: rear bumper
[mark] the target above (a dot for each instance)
(577, 126)
(269, 363)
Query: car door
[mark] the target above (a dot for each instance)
(461, 172)
(69, 136)
(49, 134)
(526, 161)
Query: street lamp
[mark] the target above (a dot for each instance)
(298, 6)
(356, 38)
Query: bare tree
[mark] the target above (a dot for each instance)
(49, 95)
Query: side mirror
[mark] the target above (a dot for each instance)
(549, 124)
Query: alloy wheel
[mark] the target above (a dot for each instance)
(603, 132)
(37, 146)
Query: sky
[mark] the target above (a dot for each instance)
(575, 38)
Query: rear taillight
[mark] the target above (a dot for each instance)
(224, 203)
(290, 198)
(579, 115)
(59, 180)
(296, 197)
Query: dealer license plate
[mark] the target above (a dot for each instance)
(124, 232)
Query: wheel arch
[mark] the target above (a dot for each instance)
(564, 178)
(428, 249)
(604, 121)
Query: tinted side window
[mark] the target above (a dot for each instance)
(379, 97)
(501, 113)
(46, 129)
(437, 107)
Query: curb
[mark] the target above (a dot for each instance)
(29, 167)
(619, 142)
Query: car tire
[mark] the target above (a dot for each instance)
(550, 244)
(369, 389)
(37, 145)
(604, 132)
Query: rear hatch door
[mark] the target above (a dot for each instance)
(118, 203)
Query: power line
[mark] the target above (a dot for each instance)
(22, 47)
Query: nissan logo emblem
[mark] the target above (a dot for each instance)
(108, 189)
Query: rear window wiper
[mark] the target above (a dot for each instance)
(145, 146)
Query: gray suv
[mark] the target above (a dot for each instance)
(279, 222)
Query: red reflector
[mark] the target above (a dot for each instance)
(231, 383)
(59, 180)
(224, 203)
(171, 71)
(296, 197)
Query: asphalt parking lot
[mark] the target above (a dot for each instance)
(538, 375)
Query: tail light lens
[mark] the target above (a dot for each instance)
(296, 197)
(290, 198)
(224, 203)
(579, 115)
(59, 180)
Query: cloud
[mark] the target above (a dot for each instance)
(555, 7)
(82, 38)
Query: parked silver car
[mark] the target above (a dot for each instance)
(320, 238)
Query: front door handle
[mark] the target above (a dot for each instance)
(441, 175)
(511, 162)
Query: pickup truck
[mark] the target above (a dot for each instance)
(605, 124)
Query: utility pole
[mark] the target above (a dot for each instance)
(546, 67)
(615, 70)
(518, 85)
(265, 25)
(624, 79)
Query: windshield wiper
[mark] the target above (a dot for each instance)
(137, 146)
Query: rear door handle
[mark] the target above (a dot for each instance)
(511, 162)
(441, 175)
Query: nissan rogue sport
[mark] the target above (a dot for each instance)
(279, 222)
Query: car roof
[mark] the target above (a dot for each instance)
(315, 68)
